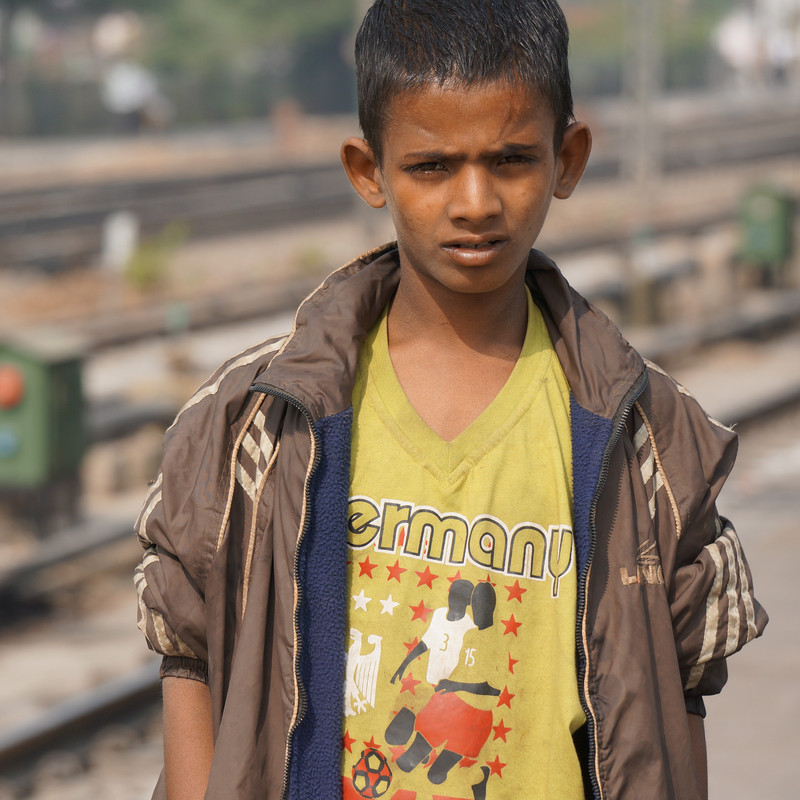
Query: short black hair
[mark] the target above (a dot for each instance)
(403, 45)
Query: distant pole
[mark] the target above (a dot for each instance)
(643, 81)
(8, 11)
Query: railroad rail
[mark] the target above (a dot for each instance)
(60, 226)
(72, 725)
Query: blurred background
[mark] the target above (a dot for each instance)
(170, 190)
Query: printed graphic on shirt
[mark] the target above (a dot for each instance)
(446, 653)
(527, 550)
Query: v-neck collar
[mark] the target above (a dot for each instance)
(449, 460)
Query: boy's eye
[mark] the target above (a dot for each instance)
(516, 159)
(425, 168)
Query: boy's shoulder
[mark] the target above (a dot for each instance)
(226, 392)
(668, 397)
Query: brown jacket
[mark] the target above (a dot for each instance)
(243, 579)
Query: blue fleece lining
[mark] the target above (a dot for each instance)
(590, 435)
(322, 567)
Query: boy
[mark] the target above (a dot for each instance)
(451, 537)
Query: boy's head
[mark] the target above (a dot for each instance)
(404, 45)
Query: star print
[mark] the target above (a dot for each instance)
(505, 698)
(366, 567)
(389, 606)
(500, 731)
(396, 571)
(515, 592)
(512, 626)
(411, 645)
(361, 600)
(347, 742)
(397, 751)
(421, 611)
(457, 577)
(496, 766)
(410, 684)
(426, 578)
(511, 662)
(372, 743)
(489, 580)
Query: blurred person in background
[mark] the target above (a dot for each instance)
(128, 90)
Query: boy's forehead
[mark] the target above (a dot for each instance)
(516, 94)
(450, 109)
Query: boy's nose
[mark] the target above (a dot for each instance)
(475, 198)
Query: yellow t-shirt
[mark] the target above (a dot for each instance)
(461, 677)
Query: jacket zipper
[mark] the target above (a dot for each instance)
(301, 696)
(620, 419)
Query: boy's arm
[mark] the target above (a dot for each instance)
(698, 733)
(188, 739)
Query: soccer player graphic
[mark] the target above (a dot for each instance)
(447, 720)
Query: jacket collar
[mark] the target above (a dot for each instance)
(317, 363)
(599, 364)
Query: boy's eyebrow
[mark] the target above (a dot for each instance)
(510, 149)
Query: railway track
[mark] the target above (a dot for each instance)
(56, 227)
(73, 725)
(62, 226)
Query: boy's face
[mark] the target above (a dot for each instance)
(468, 174)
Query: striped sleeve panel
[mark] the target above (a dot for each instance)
(152, 623)
(656, 485)
(732, 616)
(177, 534)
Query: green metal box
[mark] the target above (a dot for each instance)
(42, 433)
(767, 226)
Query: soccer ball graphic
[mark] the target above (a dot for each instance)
(371, 774)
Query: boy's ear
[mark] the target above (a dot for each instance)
(363, 171)
(575, 149)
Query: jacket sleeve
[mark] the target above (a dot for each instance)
(185, 514)
(170, 577)
(171, 609)
(714, 610)
(710, 587)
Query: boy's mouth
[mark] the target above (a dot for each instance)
(478, 245)
(485, 244)
(475, 253)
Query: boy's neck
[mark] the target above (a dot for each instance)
(490, 325)
(453, 352)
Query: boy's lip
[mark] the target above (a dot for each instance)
(475, 251)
